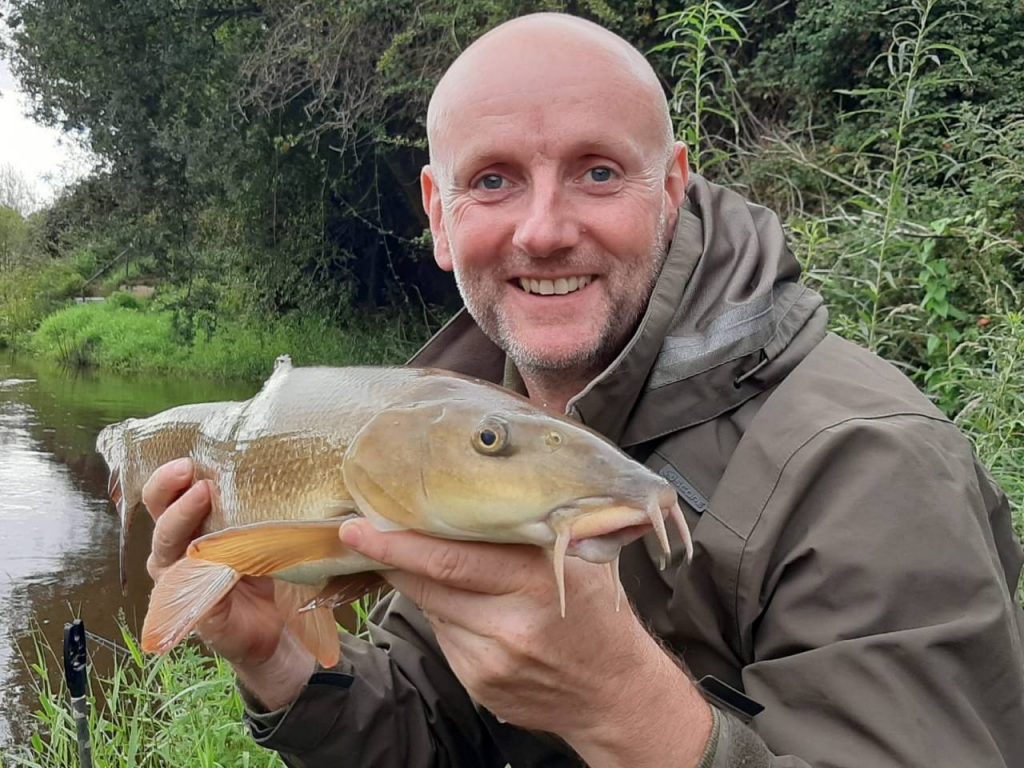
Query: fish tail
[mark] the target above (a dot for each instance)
(183, 595)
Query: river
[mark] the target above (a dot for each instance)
(58, 531)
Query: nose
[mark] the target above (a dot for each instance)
(548, 225)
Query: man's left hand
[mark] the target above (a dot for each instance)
(596, 678)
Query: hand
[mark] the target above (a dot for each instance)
(595, 678)
(245, 627)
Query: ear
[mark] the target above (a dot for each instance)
(435, 212)
(677, 176)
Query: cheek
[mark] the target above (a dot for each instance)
(478, 236)
(627, 234)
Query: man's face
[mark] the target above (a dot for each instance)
(549, 202)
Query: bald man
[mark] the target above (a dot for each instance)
(850, 602)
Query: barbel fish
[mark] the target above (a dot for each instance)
(407, 448)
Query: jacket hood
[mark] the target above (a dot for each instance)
(726, 320)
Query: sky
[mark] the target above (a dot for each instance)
(45, 157)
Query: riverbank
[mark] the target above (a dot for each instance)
(125, 334)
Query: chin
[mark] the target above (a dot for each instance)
(570, 355)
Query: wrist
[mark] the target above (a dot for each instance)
(277, 681)
(655, 716)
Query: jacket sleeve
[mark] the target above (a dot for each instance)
(391, 701)
(877, 613)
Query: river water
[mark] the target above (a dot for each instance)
(58, 532)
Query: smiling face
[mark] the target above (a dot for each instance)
(552, 188)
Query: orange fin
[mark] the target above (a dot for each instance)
(263, 549)
(315, 628)
(184, 594)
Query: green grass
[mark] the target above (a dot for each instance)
(149, 712)
(127, 336)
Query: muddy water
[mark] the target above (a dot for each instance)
(58, 533)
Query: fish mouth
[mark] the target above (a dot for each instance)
(596, 529)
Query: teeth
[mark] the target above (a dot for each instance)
(561, 286)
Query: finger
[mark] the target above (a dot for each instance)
(443, 604)
(177, 526)
(475, 566)
(167, 484)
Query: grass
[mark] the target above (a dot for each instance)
(176, 710)
(127, 336)
(181, 709)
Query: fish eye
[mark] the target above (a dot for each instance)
(491, 436)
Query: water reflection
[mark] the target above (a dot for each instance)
(58, 534)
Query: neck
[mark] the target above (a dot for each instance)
(553, 392)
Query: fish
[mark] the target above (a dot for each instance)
(408, 449)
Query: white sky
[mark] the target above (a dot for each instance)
(45, 157)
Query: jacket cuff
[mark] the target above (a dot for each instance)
(287, 729)
(733, 744)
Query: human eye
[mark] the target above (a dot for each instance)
(601, 174)
(491, 182)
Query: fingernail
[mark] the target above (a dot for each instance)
(181, 466)
(351, 533)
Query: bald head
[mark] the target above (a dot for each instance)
(547, 53)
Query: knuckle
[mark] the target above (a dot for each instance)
(445, 563)
(494, 669)
(163, 541)
(152, 498)
(153, 568)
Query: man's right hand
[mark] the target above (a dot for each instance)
(245, 627)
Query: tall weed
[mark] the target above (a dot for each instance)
(701, 38)
(149, 712)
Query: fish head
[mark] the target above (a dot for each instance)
(512, 473)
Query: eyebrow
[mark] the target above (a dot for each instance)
(597, 145)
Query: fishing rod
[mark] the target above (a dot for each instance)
(76, 662)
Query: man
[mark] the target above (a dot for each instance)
(854, 566)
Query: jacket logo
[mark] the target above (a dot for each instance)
(690, 495)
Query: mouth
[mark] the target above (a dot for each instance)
(560, 286)
(596, 530)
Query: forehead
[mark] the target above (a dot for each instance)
(556, 125)
(550, 104)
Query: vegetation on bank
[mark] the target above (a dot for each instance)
(123, 334)
(150, 712)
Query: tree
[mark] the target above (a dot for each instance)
(16, 193)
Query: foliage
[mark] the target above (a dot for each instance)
(14, 238)
(179, 709)
(28, 293)
(701, 37)
(119, 336)
(16, 193)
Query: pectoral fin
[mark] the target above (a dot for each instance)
(265, 549)
(183, 595)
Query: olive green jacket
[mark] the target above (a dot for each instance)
(854, 565)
